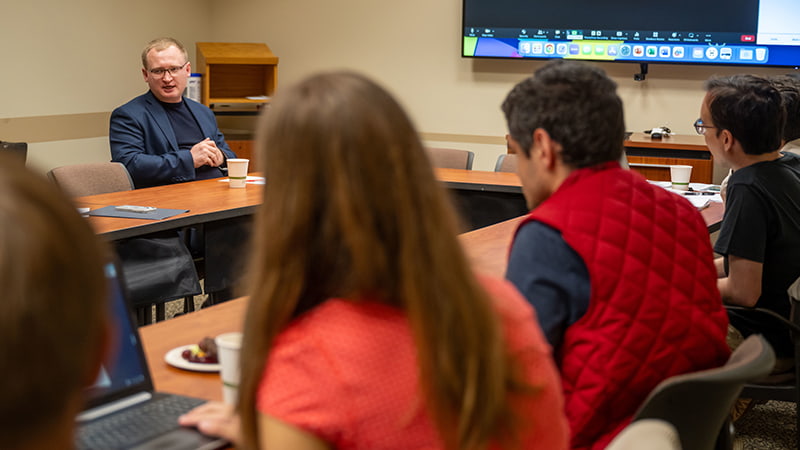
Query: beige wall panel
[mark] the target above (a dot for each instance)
(67, 57)
(44, 156)
(83, 56)
(67, 63)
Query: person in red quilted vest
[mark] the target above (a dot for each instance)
(620, 271)
(742, 120)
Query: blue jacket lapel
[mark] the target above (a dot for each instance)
(159, 116)
(208, 129)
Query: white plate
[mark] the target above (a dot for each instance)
(174, 358)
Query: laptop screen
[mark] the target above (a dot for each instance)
(125, 372)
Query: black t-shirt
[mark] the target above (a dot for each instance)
(762, 224)
(188, 133)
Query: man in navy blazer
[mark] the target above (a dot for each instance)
(160, 136)
(163, 138)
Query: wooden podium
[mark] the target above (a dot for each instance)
(236, 74)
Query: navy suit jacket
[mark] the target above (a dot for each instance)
(142, 139)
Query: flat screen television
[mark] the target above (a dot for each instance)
(736, 32)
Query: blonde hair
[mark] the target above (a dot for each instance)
(352, 209)
(161, 44)
(53, 304)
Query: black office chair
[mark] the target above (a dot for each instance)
(785, 386)
(16, 150)
(698, 404)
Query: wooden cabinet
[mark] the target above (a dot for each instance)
(244, 149)
(244, 74)
(652, 157)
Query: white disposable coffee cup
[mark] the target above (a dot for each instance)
(680, 176)
(228, 347)
(237, 172)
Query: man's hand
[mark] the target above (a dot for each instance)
(206, 153)
(214, 419)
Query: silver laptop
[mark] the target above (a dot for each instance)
(123, 411)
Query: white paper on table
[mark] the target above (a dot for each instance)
(695, 196)
(250, 179)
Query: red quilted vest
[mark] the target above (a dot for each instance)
(654, 309)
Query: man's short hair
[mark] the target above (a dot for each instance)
(789, 87)
(577, 104)
(160, 44)
(750, 108)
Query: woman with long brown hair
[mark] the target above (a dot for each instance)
(54, 324)
(366, 327)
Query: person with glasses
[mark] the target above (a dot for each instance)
(742, 119)
(789, 87)
(162, 137)
(620, 271)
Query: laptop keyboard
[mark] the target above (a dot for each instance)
(136, 424)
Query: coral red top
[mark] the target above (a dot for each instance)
(347, 372)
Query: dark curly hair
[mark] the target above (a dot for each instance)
(750, 108)
(577, 104)
(789, 87)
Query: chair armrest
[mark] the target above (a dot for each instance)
(792, 326)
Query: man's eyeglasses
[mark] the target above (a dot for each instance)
(700, 128)
(159, 72)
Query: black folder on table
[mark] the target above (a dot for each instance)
(156, 214)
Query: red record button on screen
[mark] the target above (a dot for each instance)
(748, 38)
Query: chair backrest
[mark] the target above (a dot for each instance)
(78, 180)
(697, 404)
(507, 162)
(652, 434)
(451, 158)
(18, 150)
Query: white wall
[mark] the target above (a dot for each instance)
(61, 59)
(65, 58)
(413, 48)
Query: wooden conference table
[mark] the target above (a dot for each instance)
(213, 200)
(206, 200)
(486, 248)
(483, 198)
